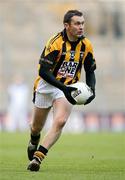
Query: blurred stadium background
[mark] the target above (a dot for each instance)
(24, 28)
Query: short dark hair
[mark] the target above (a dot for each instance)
(69, 14)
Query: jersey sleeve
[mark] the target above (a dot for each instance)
(89, 62)
(49, 55)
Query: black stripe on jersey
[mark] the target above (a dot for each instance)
(73, 47)
(62, 58)
(51, 40)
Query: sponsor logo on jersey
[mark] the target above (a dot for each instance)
(68, 69)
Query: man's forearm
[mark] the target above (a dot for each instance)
(90, 79)
(48, 77)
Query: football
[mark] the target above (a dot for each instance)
(82, 93)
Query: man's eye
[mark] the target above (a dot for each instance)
(78, 23)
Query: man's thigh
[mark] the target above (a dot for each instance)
(62, 108)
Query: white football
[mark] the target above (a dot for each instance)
(82, 93)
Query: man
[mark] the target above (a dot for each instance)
(60, 65)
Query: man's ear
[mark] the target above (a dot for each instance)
(66, 25)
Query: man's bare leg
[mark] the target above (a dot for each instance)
(38, 121)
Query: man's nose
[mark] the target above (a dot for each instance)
(81, 26)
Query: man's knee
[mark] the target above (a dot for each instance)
(60, 122)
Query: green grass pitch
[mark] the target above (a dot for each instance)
(87, 156)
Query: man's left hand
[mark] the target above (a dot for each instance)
(91, 97)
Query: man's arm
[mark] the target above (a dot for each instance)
(91, 81)
(90, 66)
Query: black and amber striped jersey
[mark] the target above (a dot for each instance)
(67, 58)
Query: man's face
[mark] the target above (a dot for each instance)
(75, 27)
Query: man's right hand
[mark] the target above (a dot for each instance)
(67, 91)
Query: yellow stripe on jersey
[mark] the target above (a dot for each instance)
(89, 47)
